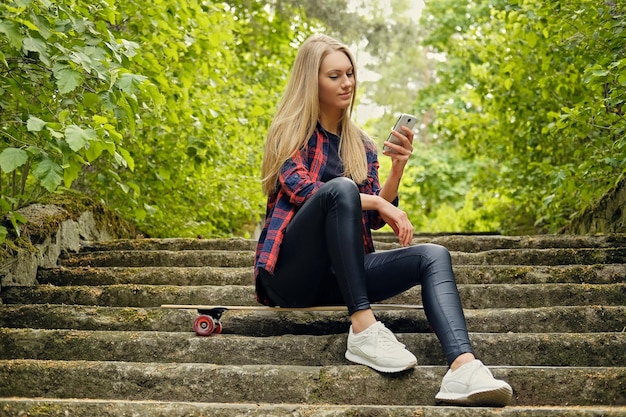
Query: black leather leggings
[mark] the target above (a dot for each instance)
(322, 262)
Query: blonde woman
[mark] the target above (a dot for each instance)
(320, 172)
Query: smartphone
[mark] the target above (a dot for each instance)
(407, 120)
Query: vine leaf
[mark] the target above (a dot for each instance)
(12, 158)
(35, 124)
(77, 137)
(67, 80)
(49, 174)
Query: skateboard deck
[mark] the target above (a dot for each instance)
(209, 316)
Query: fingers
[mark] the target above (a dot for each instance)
(404, 230)
(406, 142)
(399, 221)
(405, 236)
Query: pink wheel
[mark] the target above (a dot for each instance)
(203, 325)
(218, 327)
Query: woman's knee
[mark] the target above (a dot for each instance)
(436, 260)
(342, 185)
(343, 190)
(436, 252)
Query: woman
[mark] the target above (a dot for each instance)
(320, 172)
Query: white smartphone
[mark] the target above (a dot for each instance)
(407, 120)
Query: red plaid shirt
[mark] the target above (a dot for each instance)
(300, 178)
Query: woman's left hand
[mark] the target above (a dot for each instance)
(400, 153)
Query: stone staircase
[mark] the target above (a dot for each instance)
(545, 313)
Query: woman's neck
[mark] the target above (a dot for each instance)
(330, 123)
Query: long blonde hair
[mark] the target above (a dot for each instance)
(299, 110)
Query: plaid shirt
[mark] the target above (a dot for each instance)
(300, 178)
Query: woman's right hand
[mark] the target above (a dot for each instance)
(398, 220)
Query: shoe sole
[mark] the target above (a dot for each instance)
(493, 398)
(361, 361)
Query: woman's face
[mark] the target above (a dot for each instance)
(335, 82)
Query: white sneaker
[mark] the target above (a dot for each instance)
(473, 384)
(379, 349)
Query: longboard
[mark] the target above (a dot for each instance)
(209, 316)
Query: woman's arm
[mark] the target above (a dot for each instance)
(299, 175)
(392, 215)
(383, 202)
(399, 155)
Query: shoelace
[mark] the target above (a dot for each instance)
(387, 339)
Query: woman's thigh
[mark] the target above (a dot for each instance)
(303, 275)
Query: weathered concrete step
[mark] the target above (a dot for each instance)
(479, 243)
(472, 295)
(517, 349)
(462, 243)
(216, 258)
(207, 275)
(19, 407)
(552, 256)
(529, 274)
(164, 275)
(563, 319)
(533, 386)
(171, 244)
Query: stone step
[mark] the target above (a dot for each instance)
(164, 275)
(171, 244)
(215, 258)
(462, 243)
(19, 407)
(559, 319)
(550, 256)
(528, 349)
(479, 243)
(238, 258)
(207, 275)
(533, 386)
(472, 295)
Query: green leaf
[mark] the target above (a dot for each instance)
(12, 158)
(16, 218)
(91, 100)
(532, 38)
(12, 31)
(35, 45)
(49, 173)
(129, 83)
(129, 159)
(35, 124)
(77, 137)
(94, 151)
(71, 172)
(67, 80)
(3, 234)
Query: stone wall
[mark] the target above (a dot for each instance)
(607, 216)
(50, 231)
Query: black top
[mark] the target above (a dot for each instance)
(334, 166)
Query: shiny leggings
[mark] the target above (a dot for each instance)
(322, 262)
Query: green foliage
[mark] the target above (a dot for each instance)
(161, 110)
(536, 90)
(63, 90)
(158, 111)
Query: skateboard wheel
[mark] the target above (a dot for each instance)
(218, 328)
(203, 325)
